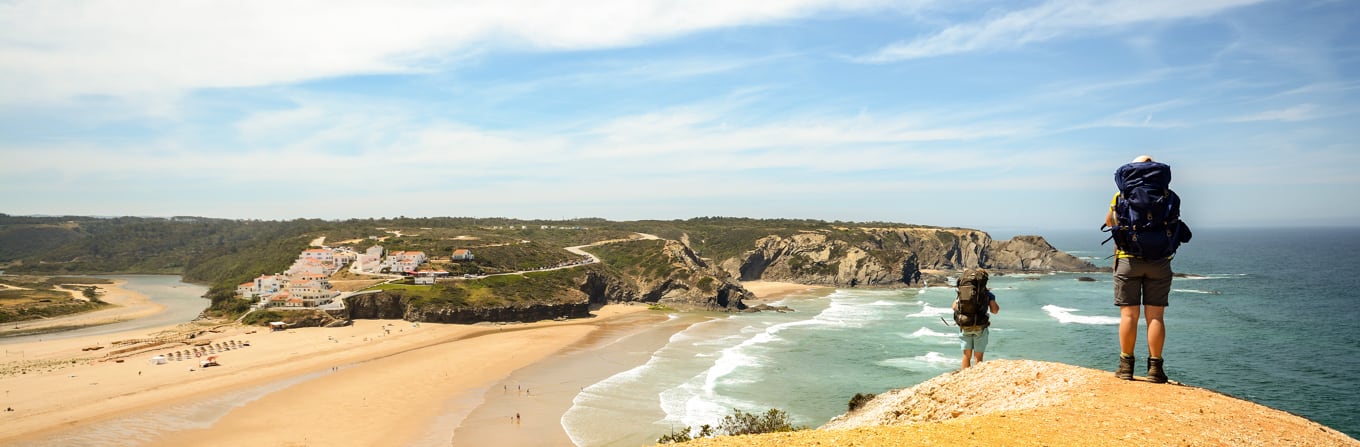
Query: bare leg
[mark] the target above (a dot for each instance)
(967, 355)
(977, 357)
(1128, 328)
(1156, 330)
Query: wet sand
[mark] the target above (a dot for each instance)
(543, 392)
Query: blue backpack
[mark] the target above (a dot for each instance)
(1147, 213)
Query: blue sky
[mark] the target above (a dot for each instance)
(992, 115)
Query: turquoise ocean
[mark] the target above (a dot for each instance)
(1269, 316)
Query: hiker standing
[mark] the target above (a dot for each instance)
(970, 314)
(1144, 221)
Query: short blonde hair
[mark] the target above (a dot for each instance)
(1142, 158)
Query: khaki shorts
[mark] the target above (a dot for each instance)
(1138, 282)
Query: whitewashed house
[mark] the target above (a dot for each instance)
(310, 280)
(247, 290)
(371, 259)
(268, 284)
(345, 256)
(321, 254)
(405, 261)
(310, 296)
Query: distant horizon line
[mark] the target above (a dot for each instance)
(1016, 230)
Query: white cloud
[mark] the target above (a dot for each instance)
(1302, 112)
(54, 50)
(1050, 20)
(325, 147)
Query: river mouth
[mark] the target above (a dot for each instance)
(182, 302)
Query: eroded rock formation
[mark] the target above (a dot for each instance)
(892, 256)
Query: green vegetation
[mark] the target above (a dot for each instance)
(512, 257)
(21, 305)
(262, 317)
(726, 237)
(735, 424)
(492, 291)
(39, 297)
(641, 258)
(222, 253)
(48, 282)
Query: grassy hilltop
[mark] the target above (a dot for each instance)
(696, 261)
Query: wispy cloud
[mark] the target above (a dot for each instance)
(58, 50)
(1054, 19)
(1301, 112)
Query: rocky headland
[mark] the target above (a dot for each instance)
(673, 274)
(892, 256)
(1032, 403)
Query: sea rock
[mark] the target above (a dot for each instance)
(762, 307)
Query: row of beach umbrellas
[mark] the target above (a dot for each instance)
(199, 351)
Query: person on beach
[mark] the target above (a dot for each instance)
(1144, 221)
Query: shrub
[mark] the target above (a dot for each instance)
(859, 400)
(738, 423)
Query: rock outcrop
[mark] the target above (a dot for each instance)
(891, 256)
(1032, 253)
(682, 279)
(386, 305)
(525, 313)
(1030, 403)
(669, 272)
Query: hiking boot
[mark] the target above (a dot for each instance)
(1125, 371)
(1155, 372)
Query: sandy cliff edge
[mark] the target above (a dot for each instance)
(1024, 402)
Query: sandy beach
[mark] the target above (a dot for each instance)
(377, 382)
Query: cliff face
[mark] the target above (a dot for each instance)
(1031, 253)
(385, 305)
(892, 256)
(689, 282)
(669, 272)
(674, 276)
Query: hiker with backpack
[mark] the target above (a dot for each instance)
(1144, 222)
(970, 314)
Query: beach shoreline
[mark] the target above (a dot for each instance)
(560, 377)
(127, 305)
(377, 382)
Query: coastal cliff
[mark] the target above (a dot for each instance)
(1031, 403)
(645, 271)
(395, 306)
(892, 256)
(671, 272)
(665, 272)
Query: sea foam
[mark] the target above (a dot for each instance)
(928, 311)
(929, 360)
(1065, 316)
(926, 332)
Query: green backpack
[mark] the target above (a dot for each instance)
(972, 304)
